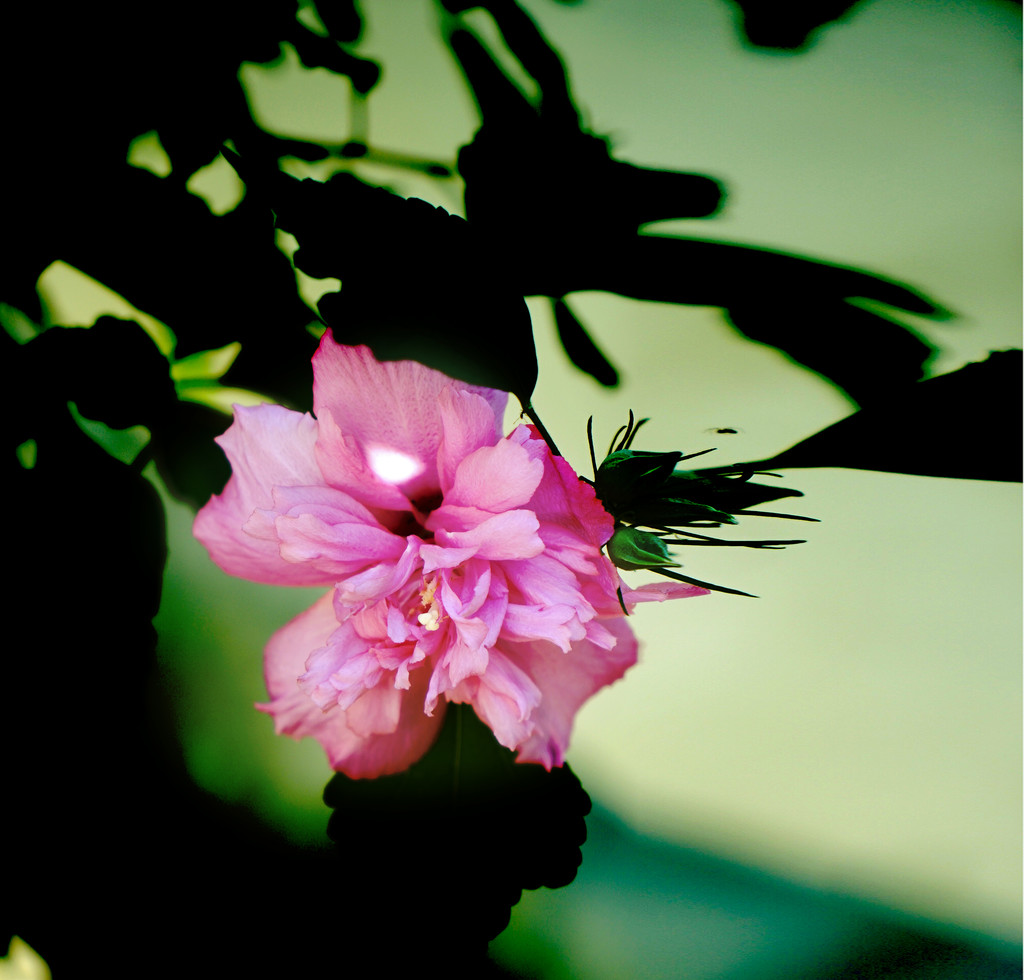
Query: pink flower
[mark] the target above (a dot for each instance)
(463, 567)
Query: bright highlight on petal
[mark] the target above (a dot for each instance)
(463, 567)
(393, 466)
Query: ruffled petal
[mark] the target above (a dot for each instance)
(346, 666)
(284, 661)
(503, 537)
(566, 681)
(557, 624)
(379, 740)
(380, 754)
(327, 528)
(345, 467)
(435, 557)
(496, 478)
(563, 499)
(378, 581)
(268, 446)
(468, 421)
(504, 697)
(544, 580)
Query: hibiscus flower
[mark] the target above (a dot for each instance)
(463, 567)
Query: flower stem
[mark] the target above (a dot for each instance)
(531, 412)
(458, 755)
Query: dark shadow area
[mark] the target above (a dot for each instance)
(459, 835)
(88, 85)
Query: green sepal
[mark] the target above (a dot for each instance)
(702, 584)
(728, 493)
(664, 511)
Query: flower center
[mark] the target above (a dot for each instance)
(430, 618)
(408, 523)
(428, 502)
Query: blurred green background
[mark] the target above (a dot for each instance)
(855, 730)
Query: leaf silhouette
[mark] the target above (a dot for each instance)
(562, 215)
(787, 25)
(963, 424)
(417, 282)
(580, 347)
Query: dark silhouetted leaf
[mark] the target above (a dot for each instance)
(341, 18)
(417, 281)
(787, 25)
(963, 424)
(582, 350)
(562, 215)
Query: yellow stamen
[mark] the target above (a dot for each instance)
(430, 619)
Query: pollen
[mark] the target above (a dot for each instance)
(430, 619)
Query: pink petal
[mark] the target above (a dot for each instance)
(544, 580)
(268, 446)
(347, 665)
(505, 698)
(465, 592)
(284, 661)
(435, 557)
(466, 656)
(496, 478)
(377, 581)
(468, 421)
(377, 712)
(391, 405)
(660, 591)
(504, 537)
(380, 754)
(563, 498)
(557, 624)
(346, 467)
(327, 528)
(566, 681)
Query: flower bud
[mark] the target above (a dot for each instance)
(643, 489)
(633, 549)
(627, 474)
